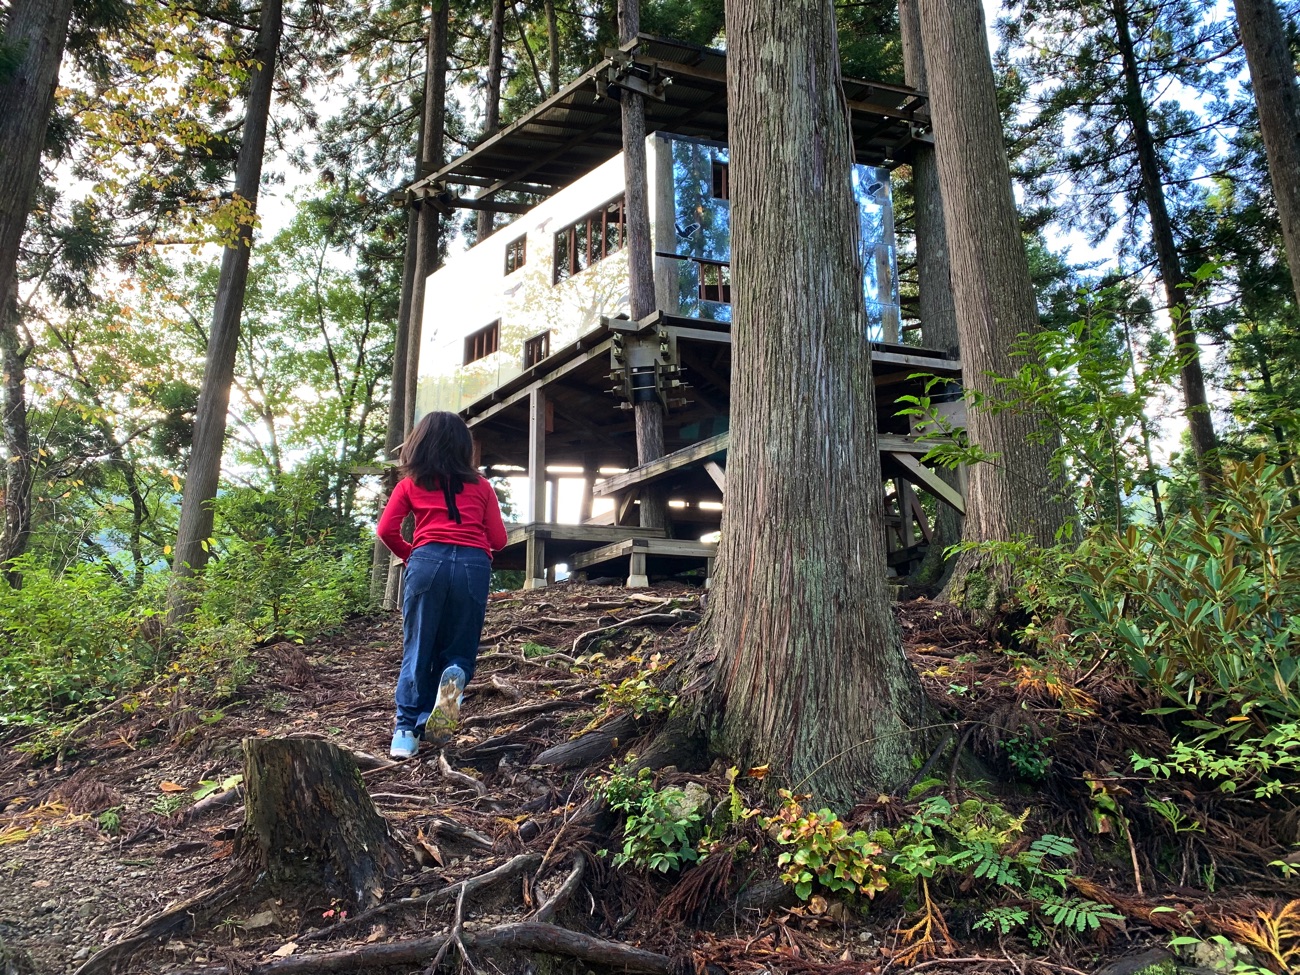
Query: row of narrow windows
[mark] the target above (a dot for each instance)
(587, 241)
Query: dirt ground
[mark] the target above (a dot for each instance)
(141, 812)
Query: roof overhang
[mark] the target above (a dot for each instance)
(580, 127)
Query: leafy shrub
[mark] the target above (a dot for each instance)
(662, 826)
(280, 570)
(825, 852)
(1207, 608)
(73, 638)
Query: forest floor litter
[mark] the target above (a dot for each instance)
(138, 810)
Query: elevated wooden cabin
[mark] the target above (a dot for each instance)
(526, 334)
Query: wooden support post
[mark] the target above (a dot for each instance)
(637, 577)
(588, 483)
(535, 559)
(552, 499)
(535, 562)
(907, 525)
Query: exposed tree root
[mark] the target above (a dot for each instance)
(460, 778)
(557, 900)
(676, 616)
(549, 939)
(511, 868)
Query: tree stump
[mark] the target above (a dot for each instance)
(307, 816)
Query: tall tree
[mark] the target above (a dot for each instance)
(1273, 76)
(204, 470)
(933, 270)
(1014, 495)
(811, 677)
(648, 412)
(34, 33)
(492, 91)
(1136, 90)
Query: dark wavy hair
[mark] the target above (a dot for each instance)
(439, 454)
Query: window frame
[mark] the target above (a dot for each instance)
(595, 226)
(521, 244)
(722, 270)
(541, 342)
(482, 343)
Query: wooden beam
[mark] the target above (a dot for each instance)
(537, 455)
(715, 471)
(524, 392)
(653, 471)
(922, 476)
(934, 363)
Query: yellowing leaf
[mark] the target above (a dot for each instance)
(167, 786)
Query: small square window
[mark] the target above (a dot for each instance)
(482, 343)
(516, 254)
(721, 184)
(536, 349)
(715, 282)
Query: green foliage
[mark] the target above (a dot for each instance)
(1206, 608)
(279, 570)
(1026, 755)
(1263, 766)
(73, 639)
(824, 852)
(661, 827)
(639, 693)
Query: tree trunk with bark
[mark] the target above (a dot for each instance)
(492, 106)
(552, 45)
(1273, 77)
(1016, 494)
(37, 31)
(307, 815)
(934, 280)
(204, 470)
(649, 415)
(1200, 424)
(810, 675)
(423, 243)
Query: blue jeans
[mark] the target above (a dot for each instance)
(443, 606)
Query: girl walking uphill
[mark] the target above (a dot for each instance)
(448, 571)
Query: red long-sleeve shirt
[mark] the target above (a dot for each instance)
(480, 518)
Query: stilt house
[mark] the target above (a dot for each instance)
(527, 334)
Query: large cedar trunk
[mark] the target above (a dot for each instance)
(1016, 495)
(307, 816)
(204, 471)
(36, 29)
(1199, 422)
(1272, 75)
(811, 677)
(934, 279)
(492, 106)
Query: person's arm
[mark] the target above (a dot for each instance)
(389, 528)
(496, 528)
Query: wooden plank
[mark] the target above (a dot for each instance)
(595, 534)
(922, 476)
(699, 334)
(653, 471)
(606, 553)
(715, 471)
(670, 547)
(933, 363)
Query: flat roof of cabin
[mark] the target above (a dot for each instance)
(580, 127)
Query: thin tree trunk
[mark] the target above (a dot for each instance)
(1273, 76)
(934, 280)
(811, 678)
(552, 46)
(1199, 421)
(204, 471)
(1015, 495)
(649, 415)
(428, 227)
(492, 98)
(36, 30)
(422, 246)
